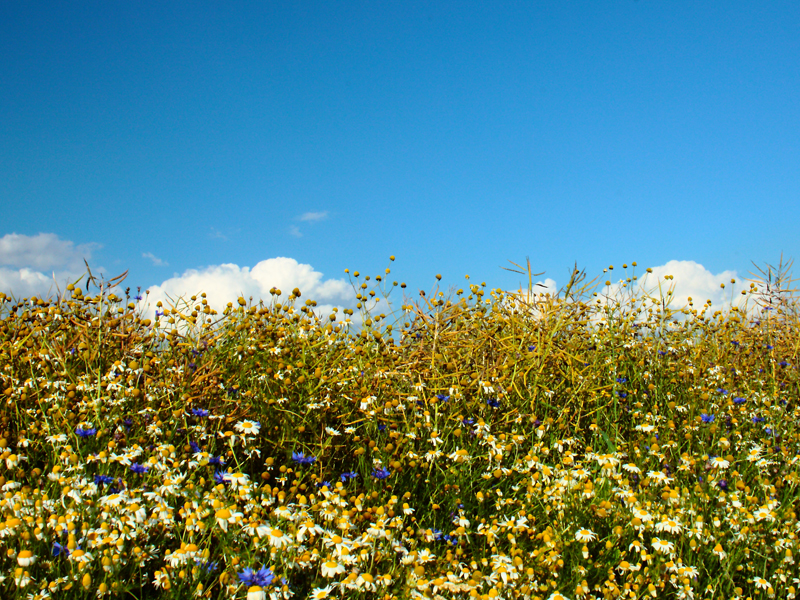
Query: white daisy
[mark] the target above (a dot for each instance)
(585, 535)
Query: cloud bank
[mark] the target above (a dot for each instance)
(689, 280)
(33, 265)
(227, 282)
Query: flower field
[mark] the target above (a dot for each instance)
(469, 443)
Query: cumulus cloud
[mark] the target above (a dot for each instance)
(43, 252)
(156, 261)
(227, 282)
(314, 216)
(689, 280)
(41, 264)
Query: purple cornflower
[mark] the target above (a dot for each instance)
(381, 473)
(262, 578)
(84, 433)
(302, 459)
(59, 549)
(140, 469)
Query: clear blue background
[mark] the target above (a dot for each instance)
(455, 135)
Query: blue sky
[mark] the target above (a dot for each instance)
(172, 138)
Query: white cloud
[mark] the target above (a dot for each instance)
(314, 216)
(293, 230)
(156, 261)
(225, 283)
(44, 251)
(41, 264)
(689, 280)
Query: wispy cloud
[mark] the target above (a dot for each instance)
(217, 235)
(156, 261)
(293, 230)
(314, 216)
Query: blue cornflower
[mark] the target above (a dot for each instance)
(195, 448)
(493, 403)
(721, 391)
(208, 566)
(467, 421)
(159, 313)
(58, 549)
(262, 578)
(140, 469)
(350, 475)
(531, 348)
(622, 394)
(622, 379)
(137, 297)
(199, 412)
(103, 479)
(442, 397)
(739, 400)
(723, 485)
(783, 363)
(302, 459)
(770, 346)
(326, 484)
(662, 353)
(127, 423)
(735, 343)
(219, 476)
(707, 418)
(381, 427)
(84, 433)
(216, 460)
(758, 419)
(381, 473)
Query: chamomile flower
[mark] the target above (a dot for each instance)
(248, 427)
(585, 535)
(278, 539)
(718, 463)
(668, 525)
(331, 568)
(662, 546)
(320, 593)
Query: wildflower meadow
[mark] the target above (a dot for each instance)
(454, 443)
